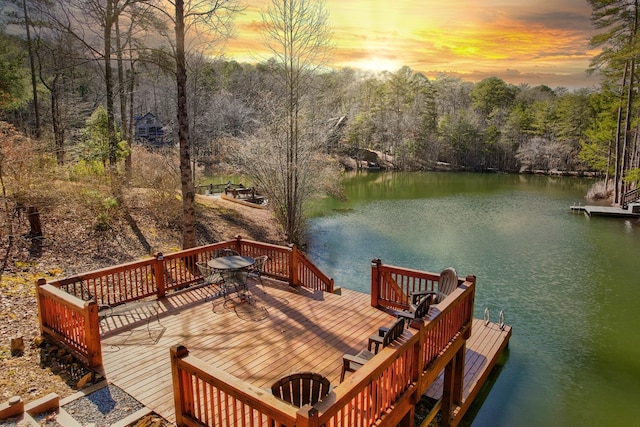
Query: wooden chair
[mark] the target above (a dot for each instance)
(301, 388)
(384, 337)
(418, 311)
(447, 283)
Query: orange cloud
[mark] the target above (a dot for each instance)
(535, 39)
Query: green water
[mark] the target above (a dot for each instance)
(569, 285)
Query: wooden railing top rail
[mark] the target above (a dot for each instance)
(55, 294)
(323, 278)
(102, 272)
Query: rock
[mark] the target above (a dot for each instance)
(85, 380)
(17, 346)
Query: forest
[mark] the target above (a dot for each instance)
(76, 75)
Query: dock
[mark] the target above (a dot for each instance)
(484, 348)
(633, 211)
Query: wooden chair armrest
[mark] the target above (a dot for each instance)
(356, 358)
(416, 296)
(375, 340)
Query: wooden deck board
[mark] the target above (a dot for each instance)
(303, 330)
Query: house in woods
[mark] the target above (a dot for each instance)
(149, 130)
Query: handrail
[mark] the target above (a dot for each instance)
(379, 393)
(630, 196)
(280, 257)
(71, 321)
(306, 272)
(451, 318)
(113, 285)
(391, 286)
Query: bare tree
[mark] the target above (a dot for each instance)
(298, 35)
(192, 15)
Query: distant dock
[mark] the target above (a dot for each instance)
(632, 211)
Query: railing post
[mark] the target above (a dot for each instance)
(418, 360)
(293, 265)
(471, 279)
(159, 272)
(178, 352)
(92, 334)
(307, 416)
(238, 247)
(40, 282)
(375, 281)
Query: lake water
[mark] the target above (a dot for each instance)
(569, 285)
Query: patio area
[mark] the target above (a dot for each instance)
(284, 330)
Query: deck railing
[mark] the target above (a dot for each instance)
(629, 197)
(382, 392)
(211, 397)
(70, 321)
(392, 286)
(155, 277)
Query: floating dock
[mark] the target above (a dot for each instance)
(632, 211)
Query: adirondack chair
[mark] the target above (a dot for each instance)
(418, 311)
(384, 337)
(301, 388)
(447, 283)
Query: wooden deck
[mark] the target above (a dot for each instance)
(485, 346)
(284, 331)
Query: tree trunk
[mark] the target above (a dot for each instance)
(32, 64)
(122, 95)
(56, 121)
(108, 77)
(188, 190)
(35, 227)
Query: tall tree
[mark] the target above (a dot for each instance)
(618, 60)
(194, 15)
(298, 35)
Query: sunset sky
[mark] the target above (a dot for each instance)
(519, 41)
